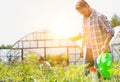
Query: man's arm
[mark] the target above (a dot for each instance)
(83, 43)
(105, 23)
(106, 43)
(82, 46)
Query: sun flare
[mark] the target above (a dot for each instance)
(62, 30)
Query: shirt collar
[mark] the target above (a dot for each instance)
(93, 13)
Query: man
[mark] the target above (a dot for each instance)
(97, 33)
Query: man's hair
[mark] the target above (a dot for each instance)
(81, 3)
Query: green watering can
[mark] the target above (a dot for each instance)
(104, 62)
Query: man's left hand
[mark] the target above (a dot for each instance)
(104, 48)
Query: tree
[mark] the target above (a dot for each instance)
(115, 21)
(2, 46)
(5, 46)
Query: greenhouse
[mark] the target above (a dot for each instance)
(45, 43)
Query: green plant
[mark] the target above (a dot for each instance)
(29, 71)
(58, 59)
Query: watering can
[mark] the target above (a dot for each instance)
(104, 62)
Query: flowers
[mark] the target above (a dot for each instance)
(92, 69)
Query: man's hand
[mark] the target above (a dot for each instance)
(104, 48)
(81, 53)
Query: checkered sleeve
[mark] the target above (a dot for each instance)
(105, 24)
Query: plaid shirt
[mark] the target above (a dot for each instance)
(95, 29)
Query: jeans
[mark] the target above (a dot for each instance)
(89, 58)
(91, 61)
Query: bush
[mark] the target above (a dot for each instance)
(58, 60)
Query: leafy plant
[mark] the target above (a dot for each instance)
(29, 71)
(58, 59)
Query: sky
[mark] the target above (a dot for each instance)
(20, 17)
